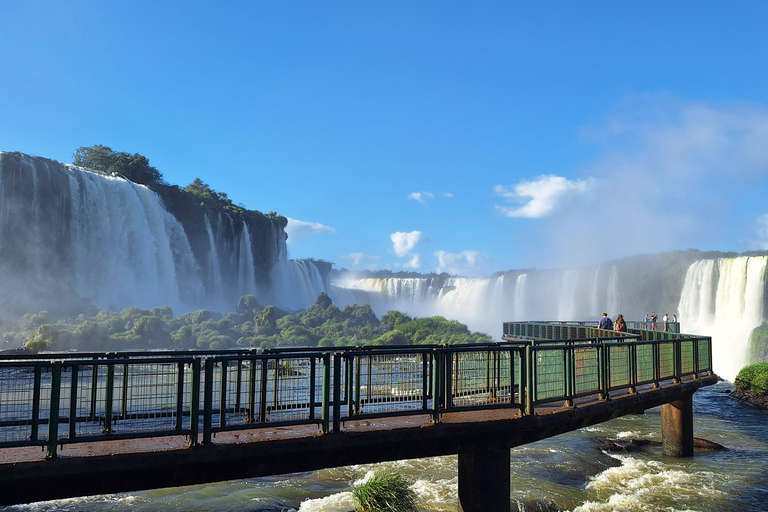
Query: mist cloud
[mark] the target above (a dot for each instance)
(464, 263)
(670, 175)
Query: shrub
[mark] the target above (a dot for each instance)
(748, 376)
(386, 491)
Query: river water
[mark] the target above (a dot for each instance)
(568, 472)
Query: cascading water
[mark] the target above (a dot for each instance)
(69, 234)
(723, 298)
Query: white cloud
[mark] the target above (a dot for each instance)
(541, 196)
(358, 260)
(297, 229)
(414, 262)
(425, 197)
(403, 243)
(464, 263)
(421, 197)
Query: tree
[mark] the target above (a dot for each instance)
(134, 167)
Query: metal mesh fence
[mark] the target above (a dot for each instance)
(666, 360)
(388, 383)
(549, 373)
(482, 378)
(17, 403)
(586, 369)
(619, 370)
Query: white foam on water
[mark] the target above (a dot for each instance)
(640, 485)
(339, 502)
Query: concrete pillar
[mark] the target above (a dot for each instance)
(484, 481)
(677, 427)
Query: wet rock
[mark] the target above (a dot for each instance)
(707, 445)
(759, 401)
(635, 445)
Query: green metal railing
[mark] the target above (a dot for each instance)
(54, 399)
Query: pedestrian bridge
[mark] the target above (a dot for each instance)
(76, 424)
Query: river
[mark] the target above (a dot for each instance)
(568, 472)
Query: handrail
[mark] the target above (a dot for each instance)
(57, 399)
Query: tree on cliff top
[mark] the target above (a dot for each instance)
(134, 167)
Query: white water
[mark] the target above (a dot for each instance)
(723, 298)
(69, 233)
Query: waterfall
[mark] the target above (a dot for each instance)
(723, 298)
(68, 235)
(520, 297)
(246, 271)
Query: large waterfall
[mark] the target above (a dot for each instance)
(70, 235)
(724, 298)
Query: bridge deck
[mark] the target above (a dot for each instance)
(135, 464)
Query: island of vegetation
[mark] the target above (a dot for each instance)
(752, 385)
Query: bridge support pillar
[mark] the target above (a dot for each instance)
(484, 481)
(677, 427)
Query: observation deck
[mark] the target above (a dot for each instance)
(78, 424)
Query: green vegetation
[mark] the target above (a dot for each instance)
(251, 326)
(758, 344)
(386, 491)
(188, 200)
(753, 378)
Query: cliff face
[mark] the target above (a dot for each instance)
(68, 234)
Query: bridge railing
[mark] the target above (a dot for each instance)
(69, 399)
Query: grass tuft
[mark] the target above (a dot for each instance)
(387, 491)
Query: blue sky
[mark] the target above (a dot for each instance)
(466, 137)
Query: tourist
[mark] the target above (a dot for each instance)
(645, 321)
(665, 320)
(620, 325)
(605, 323)
(654, 317)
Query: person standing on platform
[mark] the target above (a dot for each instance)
(605, 323)
(654, 317)
(620, 325)
(665, 321)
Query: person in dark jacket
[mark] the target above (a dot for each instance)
(605, 323)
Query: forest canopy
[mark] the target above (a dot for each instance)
(251, 326)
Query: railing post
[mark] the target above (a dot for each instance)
(124, 409)
(436, 388)
(208, 402)
(678, 361)
(179, 395)
(529, 380)
(312, 389)
(223, 395)
(696, 358)
(424, 382)
(568, 374)
(326, 392)
(656, 350)
(602, 365)
(36, 404)
(252, 392)
(73, 393)
(263, 390)
(108, 399)
(337, 392)
(633, 368)
(94, 388)
(53, 416)
(194, 403)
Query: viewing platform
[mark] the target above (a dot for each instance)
(79, 424)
